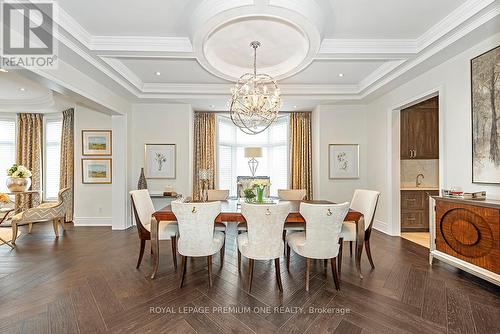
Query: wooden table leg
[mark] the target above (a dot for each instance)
(360, 238)
(155, 247)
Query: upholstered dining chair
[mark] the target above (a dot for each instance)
(197, 234)
(321, 238)
(292, 195)
(364, 201)
(143, 208)
(263, 239)
(217, 195)
(45, 212)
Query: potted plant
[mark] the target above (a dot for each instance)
(249, 194)
(19, 178)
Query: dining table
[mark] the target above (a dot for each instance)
(231, 212)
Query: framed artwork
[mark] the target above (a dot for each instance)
(96, 171)
(485, 98)
(96, 142)
(159, 161)
(343, 161)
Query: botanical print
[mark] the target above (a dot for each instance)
(159, 161)
(485, 75)
(343, 161)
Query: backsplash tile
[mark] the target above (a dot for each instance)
(411, 168)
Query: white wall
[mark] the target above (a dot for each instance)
(93, 202)
(162, 124)
(452, 80)
(337, 124)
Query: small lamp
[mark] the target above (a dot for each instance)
(252, 153)
(204, 176)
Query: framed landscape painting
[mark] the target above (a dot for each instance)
(96, 142)
(159, 161)
(485, 86)
(343, 161)
(96, 171)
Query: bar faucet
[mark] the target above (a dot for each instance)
(417, 180)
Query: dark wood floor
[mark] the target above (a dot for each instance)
(86, 282)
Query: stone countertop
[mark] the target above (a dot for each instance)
(419, 188)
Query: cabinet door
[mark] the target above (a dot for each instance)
(405, 145)
(427, 133)
(413, 221)
(412, 200)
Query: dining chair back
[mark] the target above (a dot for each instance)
(217, 195)
(196, 227)
(143, 209)
(292, 194)
(265, 226)
(365, 201)
(323, 226)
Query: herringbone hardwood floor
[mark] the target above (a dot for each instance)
(86, 282)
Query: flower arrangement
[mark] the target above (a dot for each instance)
(4, 198)
(249, 194)
(259, 186)
(18, 171)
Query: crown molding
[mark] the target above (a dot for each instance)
(141, 43)
(453, 20)
(68, 23)
(371, 46)
(37, 103)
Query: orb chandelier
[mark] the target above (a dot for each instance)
(255, 100)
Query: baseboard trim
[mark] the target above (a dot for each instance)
(381, 226)
(92, 221)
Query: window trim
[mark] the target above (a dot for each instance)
(47, 117)
(12, 117)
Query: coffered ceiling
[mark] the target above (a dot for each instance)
(320, 51)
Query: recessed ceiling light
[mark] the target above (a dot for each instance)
(294, 107)
(22, 89)
(158, 73)
(341, 75)
(212, 106)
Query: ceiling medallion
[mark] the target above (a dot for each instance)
(255, 100)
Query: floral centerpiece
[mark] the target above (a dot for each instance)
(19, 178)
(259, 187)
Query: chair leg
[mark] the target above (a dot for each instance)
(173, 241)
(30, 228)
(250, 274)
(141, 253)
(14, 233)
(308, 268)
(334, 273)
(369, 252)
(55, 224)
(63, 223)
(284, 240)
(287, 257)
(278, 273)
(183, 270)
(223, 251)
(350, 248)
(325, 265)
(341, 247)
(239, 260)
(209, 261)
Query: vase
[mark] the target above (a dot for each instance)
(260, 195)
(18, 184)
(142, 183)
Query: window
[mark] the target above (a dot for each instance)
(231, 163)
(52, 157)
(7, 148)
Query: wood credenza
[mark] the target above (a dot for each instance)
(467, 234)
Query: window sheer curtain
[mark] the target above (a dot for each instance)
(66, 179)
(301, 152)
(204, 150)
(29, 151)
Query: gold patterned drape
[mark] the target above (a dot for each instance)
(29, 151)
(204, 151)
(301, 152)
(67, 158)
